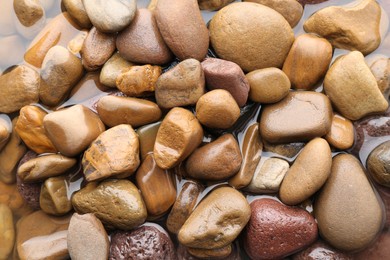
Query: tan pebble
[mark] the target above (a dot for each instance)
(217, 109)
(179, 135)
(5, 129)
(7, 231)
(377, 164)
(139, 80)
(341, 134)
(381, 71)
(213, 5)
(10, 196)
(28, 11)
(147, 136)
(208, 253)
(288, 150)
(54, 198)
(268, 85)
(76, 9)
(76, 44)
(115, 66)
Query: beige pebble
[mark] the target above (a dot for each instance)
(381, 71)
(76, 44)
(76, 9)
(7, 231)
(211, 253)
(115, 66)
(28, 11)
(341, 134)
(5, 129)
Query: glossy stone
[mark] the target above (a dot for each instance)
(378, 164)
(7, 231)
(147, 136)
(288, 150)
(341, 134)
(115, 66)
(54, 197)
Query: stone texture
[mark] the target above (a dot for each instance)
(147, 137)
(28, 12)
(72, 129)
(5, 129)
(87, 239)
(54, 198)
(136, 112)
(223, 74)
(352, 88)
(378, 250)
(276, 231)
(268, 85)
(181, 86)
(179, 135)
(76, 43)
(115, 66)
(18, 88)
(381, 71)
(288, 150)
(77, 11)
(341, 134)
(191, 38)
(7, 231)
(61, 70)
(30, 193)
(351, 28)
(308, 61)
(211, 253)
(10, 196)
(253, 36)
(110, 16)
(299, 117)
(216, 221)
(321, 250)
(141, 42)
(347, 201)
(308, 173)
(378, 164)
(213, 5)
(217, 109)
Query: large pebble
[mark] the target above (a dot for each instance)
(146, 242)
(115, 66)
(5, 129)
(76, 9)
(308, 61)
(308, 173)
(60, 72)
(97, 49)
(347, 210)
(378, 164)
(125, 212)
(179, 135)
(28, 11)
(217, 109)
(341, 134)
(18, 87)
(7, 231)
(54, 198)
(141, 42)
(136, 112)
(181, 86)
(291, 10)
(40, 236)
(276, 231)
(351, 28)
(72, 129)
(114, 152)
(110, 16)
(215, 161)
(381, 71)
(253, 36)
(251, 149)
(268, 85)
(31, 130)
(298, 117)
(191, 38)
(352, 88)
(87, 239)
(216, 221)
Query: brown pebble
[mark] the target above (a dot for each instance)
(54, 198)
(5, 130)
(341, 134)
(76, 9)
(7, 231)
(147, 136)
(211, 253)
(321, 250)
(28, 11)
(115, 66)
(381, 71)
(378, 164)
(213, 5)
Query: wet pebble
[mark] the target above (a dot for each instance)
(115, 66)
(54, 198)
(321, 250)
(341, 134)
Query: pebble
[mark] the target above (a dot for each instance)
(76, 43)
(300, 116)
(378, 163)
(31, 130)
(157, 186)
(347, 201)
(14, 55)
(72, 129)
(308, 61)
(98, 47)
(87, 239)
(181, 86)
(10, 155)
(179, 135)
(139, 81)
(110, 16)
(352, 88)
(18, 87)
(7, 231)
(321, 250)
(184, 205)
(141, 42)
(211, 253)
(291, 10)
(28, 12)
(311, 2)
(215, 161)
(146, 242)
(76, 10)
(114, 152)
(223, 74)
(251, 149)
(191, 38)
(147, 137)
(43, 167)
(268, 176)
(61, 70)
(308, 173)
(51, 231)
(5, 129)
(341, 134)
(115, 66)
(10, 196)
(262, 43)
(351, 28)
(268, 85)
(217, 109)
(276, 230)
(216, 221)
(381, 71)
(136, 112)
(54, 198)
